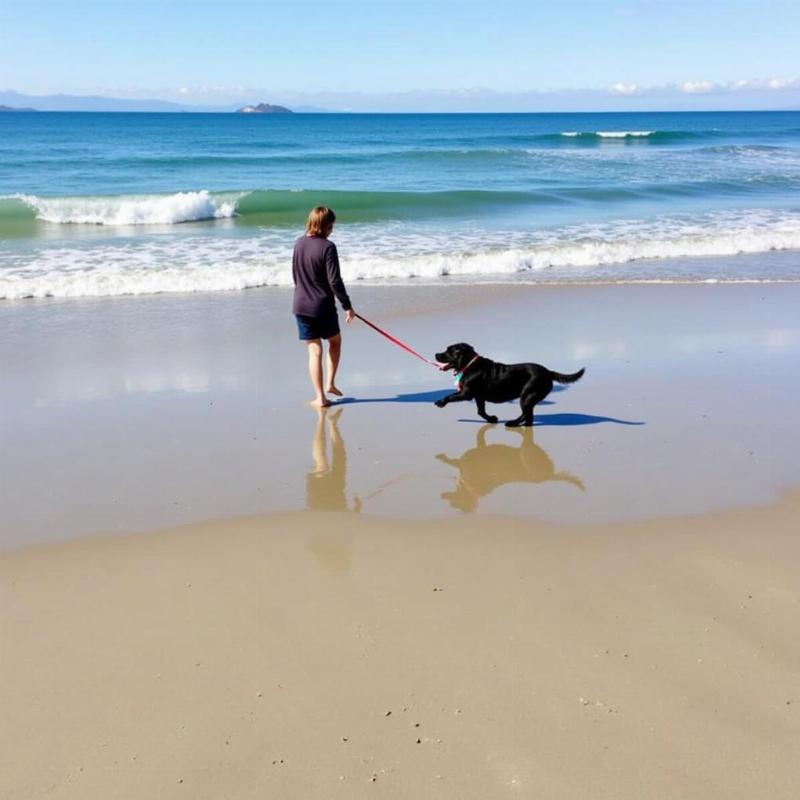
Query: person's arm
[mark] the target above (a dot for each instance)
(335, 279)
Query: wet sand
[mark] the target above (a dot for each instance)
(145, 413)
(210, 590)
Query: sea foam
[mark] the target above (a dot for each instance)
(608, 134)
(622, 134)
(391, 253)
(131, 210)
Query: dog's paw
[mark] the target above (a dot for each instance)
(491, 420)
(440, 403)
(513, 424)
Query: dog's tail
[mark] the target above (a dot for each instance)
(559, 378)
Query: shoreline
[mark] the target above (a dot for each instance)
(775, 266)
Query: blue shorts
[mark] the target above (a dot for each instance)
(323, 326)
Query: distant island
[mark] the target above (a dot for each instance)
(264, 108)
(12, 108)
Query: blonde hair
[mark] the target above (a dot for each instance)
(320, 221)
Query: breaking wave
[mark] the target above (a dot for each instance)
(130, 210)
(283, 207)
(650, 136)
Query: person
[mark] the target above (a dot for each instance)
(317, 285)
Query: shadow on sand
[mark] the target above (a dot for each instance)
(542, 420)
(431, 397)
(417, 397)
(414, 397)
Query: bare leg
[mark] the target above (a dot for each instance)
(315, 372)
(334, 353)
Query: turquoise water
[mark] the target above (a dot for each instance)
(105, 204)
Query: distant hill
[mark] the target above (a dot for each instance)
(70, 102)
(66, 102)
(264, 108)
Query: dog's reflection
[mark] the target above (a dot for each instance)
(483, 468)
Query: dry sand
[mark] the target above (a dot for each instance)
(339, 656)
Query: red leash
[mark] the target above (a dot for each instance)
(396, 341)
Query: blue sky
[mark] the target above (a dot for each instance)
(410, 55)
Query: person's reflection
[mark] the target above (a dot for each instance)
(326, 484)
(326, 490)
(483, 468)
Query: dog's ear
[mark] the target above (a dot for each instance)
(465, 352)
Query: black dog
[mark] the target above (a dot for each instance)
(486, 381)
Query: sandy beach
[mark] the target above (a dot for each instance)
(210, 590)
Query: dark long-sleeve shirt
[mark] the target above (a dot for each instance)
(317, 280)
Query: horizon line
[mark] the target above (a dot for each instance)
(333, 112)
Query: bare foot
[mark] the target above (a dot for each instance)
(334, 390)
(320, 402)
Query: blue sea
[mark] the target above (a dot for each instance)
(95, 204)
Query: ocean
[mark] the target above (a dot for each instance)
(101, 204)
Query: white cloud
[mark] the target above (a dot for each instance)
(764, 84)
(777, 83)
(205, 91)
(697, 87)
(624, 88)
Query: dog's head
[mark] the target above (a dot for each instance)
(456, 356)
(462, 499)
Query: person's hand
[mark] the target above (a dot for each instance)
(349, 316)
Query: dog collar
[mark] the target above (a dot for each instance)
(460, 375)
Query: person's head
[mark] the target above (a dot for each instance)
(320, 221)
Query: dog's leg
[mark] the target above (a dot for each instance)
(455, 397)
(481, 404)
(568, 477)
(525, 418)
(530, 397)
